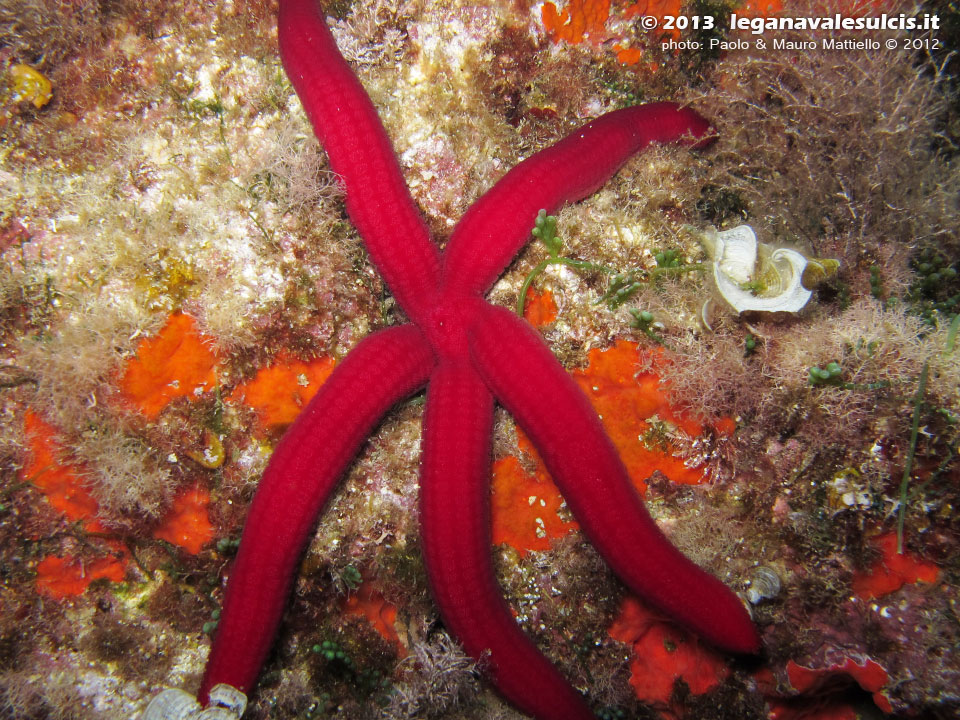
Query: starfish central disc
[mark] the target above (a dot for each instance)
(446, 327)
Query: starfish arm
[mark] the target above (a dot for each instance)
(495, 228)
(545, 401)
(347, 125)
(303, 471)
(455, 527)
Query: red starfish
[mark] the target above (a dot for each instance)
(468, 353)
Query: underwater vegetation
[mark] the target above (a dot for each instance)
(178, 277)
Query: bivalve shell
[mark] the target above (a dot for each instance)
(740, 261)
(764, 584)
(227, 696)
(217, 713)
(171, 704)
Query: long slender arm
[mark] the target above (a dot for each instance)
(526, 378)
(455, 524)
(345, 121)
(496, 226)
(303, 471)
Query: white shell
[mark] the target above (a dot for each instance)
(228, 697)
(735, 254)
(216, 713)
(171, 704)
(764, 584)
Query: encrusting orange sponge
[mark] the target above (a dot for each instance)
(540, 308)
(663, 653)
(369, 602)
(580, 18)
(632, 407)
(280, 391)
(892, 570)
(187, 523)
(66, 576)
(179, 361)
(524, 507)
(636, 411)
(61, 482)
(869, 675)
